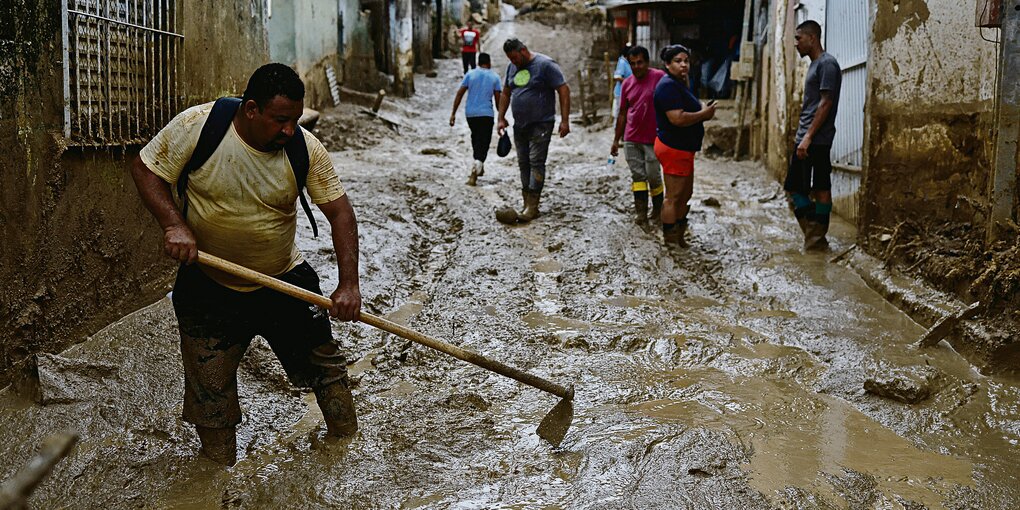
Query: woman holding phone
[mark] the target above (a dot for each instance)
(680, 128)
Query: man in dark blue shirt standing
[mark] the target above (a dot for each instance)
(531, 83)
(808, 183)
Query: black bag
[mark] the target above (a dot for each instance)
(503, 147)
(213, 131)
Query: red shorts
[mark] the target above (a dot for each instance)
(674, 161)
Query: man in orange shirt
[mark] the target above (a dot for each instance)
(469, 38)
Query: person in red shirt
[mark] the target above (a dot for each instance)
(469, 39)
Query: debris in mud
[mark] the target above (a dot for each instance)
(711, 202)
(909, 385)
(431, 151)
(64, 380)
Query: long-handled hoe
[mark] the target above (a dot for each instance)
(552, 428)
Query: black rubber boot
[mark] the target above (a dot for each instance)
(640, 208)
(656, 214)
(681, 227)
(219, 445)
(337, 405)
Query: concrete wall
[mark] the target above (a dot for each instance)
(932, 83)
(79, 250)
(305, 34)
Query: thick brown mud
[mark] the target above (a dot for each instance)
(727, 375)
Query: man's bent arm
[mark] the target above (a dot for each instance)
(344, 230)
(621, 126)
(504, 103)
(456, 104)
(178, 240)
(564, 93)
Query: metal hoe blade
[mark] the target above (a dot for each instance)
(555, 424)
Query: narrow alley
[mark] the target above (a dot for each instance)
(728, 375)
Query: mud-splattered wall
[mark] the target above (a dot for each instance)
(309, 35)
(928, 142)
(79, 249)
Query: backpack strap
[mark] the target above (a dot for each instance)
(213, 131)
(297, 153)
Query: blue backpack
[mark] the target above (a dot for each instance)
(213, 131)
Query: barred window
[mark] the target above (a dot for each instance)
(121, 63)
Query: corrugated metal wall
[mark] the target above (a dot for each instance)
(847, 30)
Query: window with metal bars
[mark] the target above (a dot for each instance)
(121, 67)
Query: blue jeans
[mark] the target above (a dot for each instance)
(532, 143)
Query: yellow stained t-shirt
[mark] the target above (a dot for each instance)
(242, 201)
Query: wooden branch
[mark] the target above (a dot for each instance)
(945, 325)
(14, 493)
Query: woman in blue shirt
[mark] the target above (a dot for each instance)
(680, 128)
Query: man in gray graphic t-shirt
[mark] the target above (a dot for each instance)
(531, 84)
(808, 183)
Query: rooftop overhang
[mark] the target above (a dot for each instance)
(615, 4)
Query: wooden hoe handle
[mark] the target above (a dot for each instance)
(388, 326)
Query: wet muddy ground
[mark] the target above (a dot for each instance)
(727, 375)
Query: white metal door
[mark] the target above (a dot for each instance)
(847, 26)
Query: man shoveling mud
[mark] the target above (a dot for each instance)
(239, 204)
(531, 82)
(810, 166)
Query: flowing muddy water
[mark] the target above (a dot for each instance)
(727, 375)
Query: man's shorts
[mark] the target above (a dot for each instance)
(217, 325)
(674, 161)
(813, 173)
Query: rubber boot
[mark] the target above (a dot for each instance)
(337, 406)
(656, 214)
(220, 445)
(674, 235)
(530, 211)
(640, 209)
(473, 178)
(801, 206)
(481, 168)
(817, 227)
(681, 227)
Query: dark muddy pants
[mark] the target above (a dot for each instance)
(532, 143)
(469, 58)
(217, 325)
(481, 136)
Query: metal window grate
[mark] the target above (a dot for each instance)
(121, 69)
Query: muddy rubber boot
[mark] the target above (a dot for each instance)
(219, 445)
(337, 406)
(656, 214)
(814, 236)
(530, 211)
(673, 235)
(818, 226)
(641, 207)
(473, 178)
(681, 227)
(481, 168)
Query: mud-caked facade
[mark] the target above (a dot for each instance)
(930, 123)
(79, 249)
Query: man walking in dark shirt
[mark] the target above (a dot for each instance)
(531, 84)
(808, 184)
